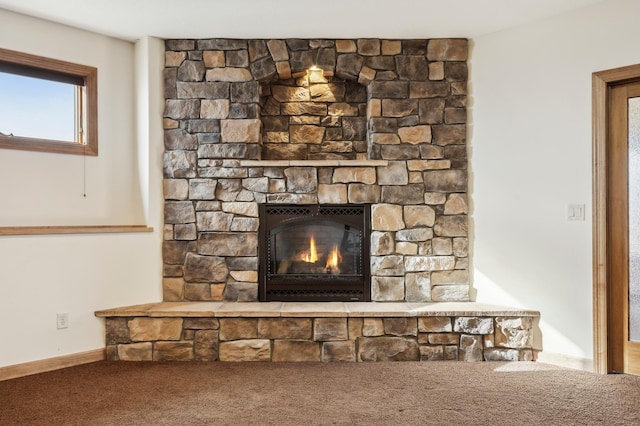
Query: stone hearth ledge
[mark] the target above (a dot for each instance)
(319, 332)
(314, 309)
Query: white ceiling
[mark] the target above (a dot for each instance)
(133, 19)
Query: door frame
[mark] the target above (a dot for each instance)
(601, 84)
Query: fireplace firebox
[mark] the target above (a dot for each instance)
(311, 252)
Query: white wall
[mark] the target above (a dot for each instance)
(78, 274)
(531, 157)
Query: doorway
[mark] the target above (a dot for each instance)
(616, 131)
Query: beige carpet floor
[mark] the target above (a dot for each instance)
(386, 393)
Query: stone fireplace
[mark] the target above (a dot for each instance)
(316, 122)
(297, 128)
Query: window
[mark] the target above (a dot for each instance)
(47, 105)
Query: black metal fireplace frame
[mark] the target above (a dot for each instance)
(274, 287)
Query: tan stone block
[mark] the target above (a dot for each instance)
(497, 354)
(391, 47)
(355, 174)
(173, 351)
(275, 137)
(471, 349)
(363, 193)
(278, 50)
(304, 119)
(169, 123)
(290, 93)
(374, 108)
(174, 59)
(473, 325)
(372, 327)
(415, 134)
(382, 243)
(246, 350)
(213, 58)
(434, 198)
(339, 351)
(450, 277)
(386, 217)
(147, 329)
(116, 330)
(247, 276)
(327, 92)
(428, 263)
(241, 130)
(111, 353)
(217, 291)
(434, 324)
(385, 139)
(415, 177)
(444, 338)
(238, 328)
(431, 353)
(167, 233)
(345, 46)
(241, 208)
(296, 351)
(394, 174)
(387, 289)
(366, 76)
(341, 109)
(172, 289)
(306, 134)
(284, 328)
(418, 287)
(388, 349)
(456, 204)
(387, 266)
(442, 246)
(422, 165)
(404, 247)
(513, 338)
(284, 70)
(234, 75)
(447, 49)
(206, 345)
(355, 327)
(214, 108)
(332, 194)
(135, 352)
(369, 47)
(201, 324)
(451, 353)
(400, 326)
(416, 216)
(450, 293)
(330, 329)
(436, 71)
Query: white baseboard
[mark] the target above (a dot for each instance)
(567, 361)
(50, 364)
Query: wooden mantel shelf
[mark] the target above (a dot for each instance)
(82, 229)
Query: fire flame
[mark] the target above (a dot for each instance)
(312, 256)
(333, 260)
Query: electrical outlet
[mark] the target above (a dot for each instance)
(62, 320)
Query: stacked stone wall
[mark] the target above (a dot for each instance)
(414, 174)
(333, 339)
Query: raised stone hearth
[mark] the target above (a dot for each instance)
(320, 332)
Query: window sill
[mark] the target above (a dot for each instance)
(88, 229)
